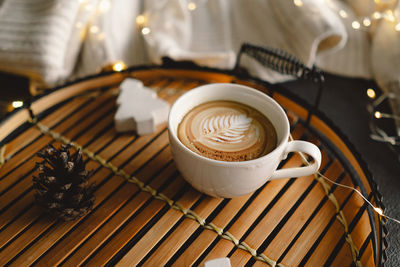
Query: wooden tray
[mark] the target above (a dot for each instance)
(159, 219)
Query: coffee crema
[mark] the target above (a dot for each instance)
(227, 131)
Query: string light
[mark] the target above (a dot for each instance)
(385, 138)
(146, 30)
(380, 115)
(356, 25)
(371, 93)
(387, 14)
(17, 104)
(298, 2)
(382, 98)
(119, 66)
(377, 133)
(191, 6)
(367, 21)
(376, 209)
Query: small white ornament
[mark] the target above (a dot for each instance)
(220, 262)
(139, 108)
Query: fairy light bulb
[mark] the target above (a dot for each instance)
(343, 13)
(140, 20)
(376, 15)
(371, 93)
(298, 2)
(17, 104)
(94, 29)
(378, 115)
(356, 25)
(146, 30)
(191, 6)
(378, 210)
(119, 66)
(366, 22)
(397, 27)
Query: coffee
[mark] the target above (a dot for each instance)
(227, 131)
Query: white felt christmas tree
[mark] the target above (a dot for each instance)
(139, 108)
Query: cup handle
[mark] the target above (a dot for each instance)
(300, 146)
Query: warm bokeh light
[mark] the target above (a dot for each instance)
(145, 30)
(378, 115)
(119, 66)
(366, 22)
(343, 13)
(389, 15)
(377, 15)
(94, 29)
(356, 25)
(298, 2)
(17, 104)
(140, 20)
(371, 93)
(191, 6)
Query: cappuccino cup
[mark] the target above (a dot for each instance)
(229, 179)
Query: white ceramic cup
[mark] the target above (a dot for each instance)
(232, 179)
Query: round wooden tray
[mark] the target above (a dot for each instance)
(145, 213)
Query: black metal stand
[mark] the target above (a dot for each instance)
(284, 63)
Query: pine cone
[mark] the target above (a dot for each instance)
(62, 184)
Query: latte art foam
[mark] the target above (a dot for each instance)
(227, 131)
(226, 128)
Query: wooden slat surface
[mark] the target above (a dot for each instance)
(291, 221)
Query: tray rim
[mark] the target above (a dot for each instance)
(24, 113)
